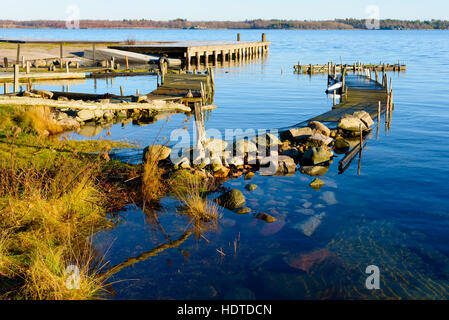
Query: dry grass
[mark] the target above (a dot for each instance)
(153, 186)
(203, 212)
(38, 120)
(49, 213)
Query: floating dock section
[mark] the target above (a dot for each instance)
(356, 67)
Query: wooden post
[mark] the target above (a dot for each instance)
(222, 56)
(61, 54)
(378, 113)
(238, 36)
(67, 68)
(187, 60)
(206, 58)
(93, 54)
(212, 78)
(137, 92)
(264, 37)
(198, 59)
(27, 71)
(5, 88)
(5, 62)
(361, 138)
(334, 95)
(215, 57)
(121, 91)
(23, 62)
(18, 54)
(16, 78)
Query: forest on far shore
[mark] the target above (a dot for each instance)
(387, 24)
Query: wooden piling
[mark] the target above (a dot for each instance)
(334, 95)
(264, 37)
(16, 78)
(61, 54)
(5, 62)
(137, 92)
(121, 91)
(238, 36)
(5, 88)
(18, 54)
(27, 71)
(93, 54)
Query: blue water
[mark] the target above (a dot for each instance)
(393, 215)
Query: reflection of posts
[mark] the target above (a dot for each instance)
(144, 256)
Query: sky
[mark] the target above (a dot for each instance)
(226, 10)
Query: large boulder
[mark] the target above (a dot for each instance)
(316, 155)
(296, 134)
(314, 171)
(157, 152)
(365, 117)
(232, 199)
(286, 164)
(318, 127)
(69, 124)
(353, 123)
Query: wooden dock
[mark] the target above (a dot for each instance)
(191, 87)
(203, 52)
(361, 94)
(24, 77)
(356, 67)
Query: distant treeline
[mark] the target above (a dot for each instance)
(388, 24)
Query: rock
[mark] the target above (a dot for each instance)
(317, 184)
(249, 175)
(30, 94)
(319, 140)
(286, 164)
(216, 164)
(251, 187)
(310, 225)
(61, 116)
(180, 162)
(39, 63)
(296, 134)
(266, 141)
(122, 114)
(232, 199)
(318, 127)
(272, 228)
(221, 173)
(90, 130)
(44, 93)
(85, 115)
(316, 155)
(215, 146)
(314, 170)
(63, 99)
(305, 261)
(365, 117)
(98, 114)
(157, 152)
(265, 217)
(341, 144)
(244, 146)
(244, 210)
(352, 124)
(69, 124)
(108, 115)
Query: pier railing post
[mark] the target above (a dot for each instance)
(16, 78)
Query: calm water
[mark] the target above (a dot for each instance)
(393, 215)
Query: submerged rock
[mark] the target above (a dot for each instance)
(244, 210)
(317, 184)
(316, 155)
(286, 164)
(156, 152)
(251, 187)
(232, 199)
(249, 175)
(309, 226)
(265, 217)
(305, 261)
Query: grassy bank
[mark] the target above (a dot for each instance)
(52, 199)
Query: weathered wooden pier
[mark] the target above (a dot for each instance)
(197, 53)
(355, 67)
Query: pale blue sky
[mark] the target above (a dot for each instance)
(225, 10)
